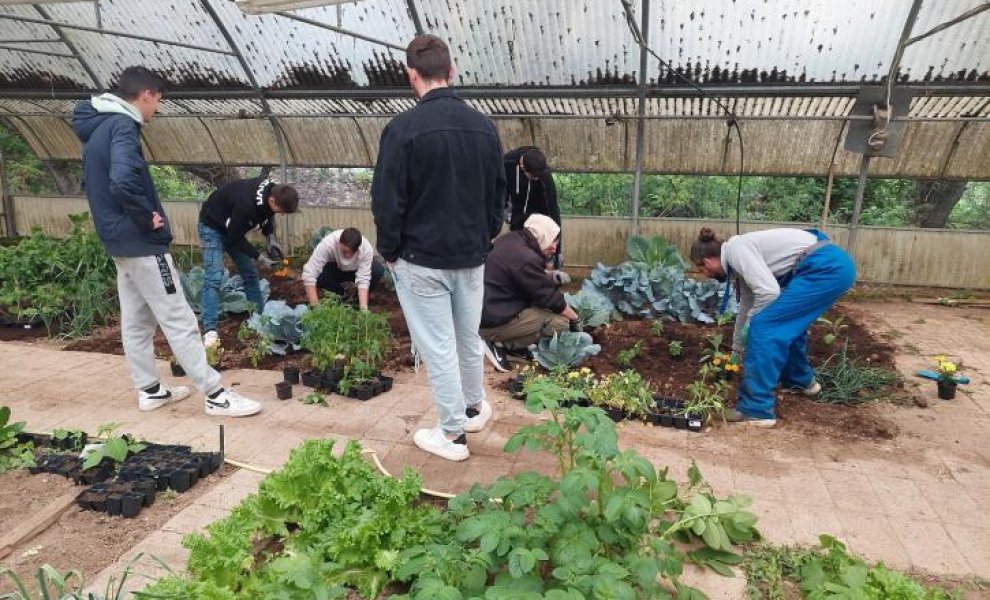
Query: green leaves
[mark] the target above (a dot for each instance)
(523, 560)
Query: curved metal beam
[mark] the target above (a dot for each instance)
(340, 30)
(72, 47)
(414, 14)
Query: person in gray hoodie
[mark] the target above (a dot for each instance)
(131, 222)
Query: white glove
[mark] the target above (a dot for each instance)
(560, 277)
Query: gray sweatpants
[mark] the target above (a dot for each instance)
(151, 296)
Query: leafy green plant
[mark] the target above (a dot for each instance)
(675, 349)
(593, 308)
(214, 354)
(706, 399)
(258, 343)
(334, 329)
(660, 291)
(74, 437)
(652, 252)
(314, 398)
(724, 319)
(565, 350)
(625, 390)
(625, 357)
(611, 526)
(68, 283)
(68, 585)
(279, 326)
(115, 447)
(847, 381)
(836, 327)
(828, 572)
(657, 327)
(317, 527)
(13, 454)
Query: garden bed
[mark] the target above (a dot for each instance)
(81, 539)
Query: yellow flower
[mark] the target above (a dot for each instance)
(947, 367)
(941, 358)
(573, 375)
(717, 361)
(585, 370)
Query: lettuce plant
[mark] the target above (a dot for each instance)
(232, 296)
(593, 308)
(280, 325)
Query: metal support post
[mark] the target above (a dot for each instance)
(641, 122)
(864, 169)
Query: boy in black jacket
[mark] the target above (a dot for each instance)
(225, 219)
(531, 190)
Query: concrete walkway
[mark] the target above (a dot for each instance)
(918, 501)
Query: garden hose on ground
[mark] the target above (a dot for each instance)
(368, 451)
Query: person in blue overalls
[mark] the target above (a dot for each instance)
(785, 280)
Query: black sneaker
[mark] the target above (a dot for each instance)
(495, 355)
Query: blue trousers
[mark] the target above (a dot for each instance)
(213, 245)
(777, 347)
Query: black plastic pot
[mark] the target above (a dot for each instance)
(666, 419)
(516, 388)
(312, 379)
(131, 504)
(363, 392)
(291, 375)
(653, 417)
(616, 414)
(947, 389)
(283, 390)
(216, 461)
(376, 387)
(695, 422)
(203, 460)
(114, 503)
(177, 370)
(680, 422)
(387, 382)
(180, 480)
(331, 376)
(147, 488)
(193, 468)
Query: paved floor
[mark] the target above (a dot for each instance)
(918, 501)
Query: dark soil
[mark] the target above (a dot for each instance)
(671, 376)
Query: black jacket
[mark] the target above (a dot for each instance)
(238, 207)
(515, 279)
(118, 183)
(439, 185)
(526, 197)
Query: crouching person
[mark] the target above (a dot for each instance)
(522, 301)
(342, 256)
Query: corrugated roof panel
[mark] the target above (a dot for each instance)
(56, 136)
(219, 106)
(973, 155)
(244, 142)
(36, 71)
(960, 53)
(180, 140)
(586, 145)
(320, 142)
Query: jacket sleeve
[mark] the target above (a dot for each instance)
(498, 198)
(126, 166)
(541, 292)
(742, 316)
(749, 264)
(268, 227)
(322, 254)
(389, 193)
(237, 229)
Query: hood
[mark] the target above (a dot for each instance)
(88, 114)
(543, 228)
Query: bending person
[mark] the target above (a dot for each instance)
(342, 256)
(786, 279)
(522, 301)
(531, 190)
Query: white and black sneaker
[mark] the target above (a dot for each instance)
(435, 441)
(159, 395)
(228, 403)
(496, 355)
(477, 417)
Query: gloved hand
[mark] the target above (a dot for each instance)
(264, 259)
(560, 277)
(275, 253)
(739, 341)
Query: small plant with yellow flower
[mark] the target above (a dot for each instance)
(719, 364)
(947, 373)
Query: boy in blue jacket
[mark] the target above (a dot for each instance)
(135, 231)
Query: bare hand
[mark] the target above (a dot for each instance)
(157, 222)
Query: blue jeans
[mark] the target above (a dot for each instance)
(213, 244)
(777, 346)
(442, 308)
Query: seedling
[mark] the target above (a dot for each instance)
(724, 319)
(835, 328)
(13, 455)
(657, 327)
(213, 355)
(314, 398)
(114, 447)
(675, 349)
(625, 357)
(71, 437)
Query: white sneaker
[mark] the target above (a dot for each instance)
(478, 417)
(495, 355)
(210, 339)
(231, 404)
(813, 389)
(734, 416)
(164, 395)
(435, 441)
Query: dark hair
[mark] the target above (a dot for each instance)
(134, 80)
(429, 56)
(535, 162)
(286, 197)
(351, 238)
(706, 246)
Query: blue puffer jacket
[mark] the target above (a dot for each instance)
(118, 183)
